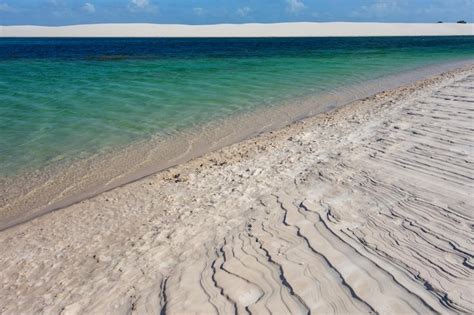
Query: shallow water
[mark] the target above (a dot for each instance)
(65, 99)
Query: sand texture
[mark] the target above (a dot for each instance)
(365, 209)
(301, 29)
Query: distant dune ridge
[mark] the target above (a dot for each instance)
(240, 30)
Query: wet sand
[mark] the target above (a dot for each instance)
(364, 209)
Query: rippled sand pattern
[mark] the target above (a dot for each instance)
(364, 210)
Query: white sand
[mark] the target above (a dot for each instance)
(367, 208)
(240, 30)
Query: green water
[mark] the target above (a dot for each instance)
(63, 100)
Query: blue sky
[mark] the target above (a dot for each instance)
(64, 12)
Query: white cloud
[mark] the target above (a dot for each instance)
(4, 7)
(142, 5)
(198, 11)
(244, 11)
(294, 6)
(88, 7)
(56, 3)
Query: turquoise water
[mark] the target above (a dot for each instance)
(64, 99)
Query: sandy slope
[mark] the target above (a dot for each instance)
(365, 209)
(240, 30)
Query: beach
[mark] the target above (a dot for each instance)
(81, 116)
(366, 208)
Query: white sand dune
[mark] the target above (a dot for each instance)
(364, 209)
(240, 30)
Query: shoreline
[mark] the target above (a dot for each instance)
(364, 208)
(61, 186)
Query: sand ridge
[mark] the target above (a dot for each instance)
(295, 29)
(364, 209)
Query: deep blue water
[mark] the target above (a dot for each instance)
(196, 48)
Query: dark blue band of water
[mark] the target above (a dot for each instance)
(190, 48)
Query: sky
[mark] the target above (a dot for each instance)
(67, 12)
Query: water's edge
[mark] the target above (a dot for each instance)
(31, 195)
